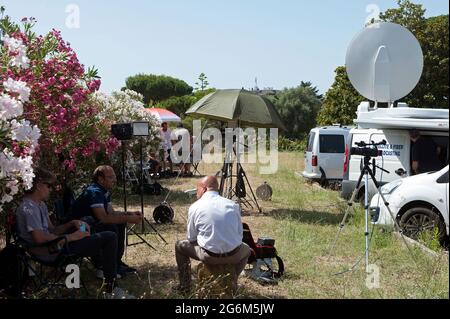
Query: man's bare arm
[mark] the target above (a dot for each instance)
(114, 218)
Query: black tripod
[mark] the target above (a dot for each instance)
(366, 171)
(145, 221)
(238, 191)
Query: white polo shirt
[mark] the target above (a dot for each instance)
(215, 223)
(166, 139)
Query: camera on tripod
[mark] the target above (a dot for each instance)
(368, 150)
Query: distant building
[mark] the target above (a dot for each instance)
(264, 92)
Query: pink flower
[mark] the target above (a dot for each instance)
(112, 144)
(94, 85)
(70, 165)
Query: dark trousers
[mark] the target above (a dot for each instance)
(101, 246)
(120, 231)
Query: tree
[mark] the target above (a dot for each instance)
(298, 109)
(180, 104)
(313, 88)
(341, 101)
(433, 35)
(203, 82)
(177, 104)
(156, 88)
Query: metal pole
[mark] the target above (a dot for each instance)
(142, 184)
(366, 209)
(124, 193)
(124, 178)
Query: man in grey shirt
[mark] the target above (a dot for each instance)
(35, 228)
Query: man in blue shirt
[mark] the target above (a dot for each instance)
(95, 202)
(35, 228)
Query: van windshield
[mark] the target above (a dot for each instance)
(332, 144)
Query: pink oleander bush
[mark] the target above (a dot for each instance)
(74, 140)
(52, 113)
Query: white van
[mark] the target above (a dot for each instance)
(325, 153)
(393, 126)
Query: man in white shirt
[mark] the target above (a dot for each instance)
(214, 233)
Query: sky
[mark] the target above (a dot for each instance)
(280, 43)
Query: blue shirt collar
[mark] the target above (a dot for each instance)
(104, 190)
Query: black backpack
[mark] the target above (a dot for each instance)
(13, 273)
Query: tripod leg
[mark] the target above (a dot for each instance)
(143, 241)
(347, 212)
(251, 189)
(386, 203)
(366, 218)
(396, 224)
(224, 177)
(154, 229)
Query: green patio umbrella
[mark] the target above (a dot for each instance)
(248, 108)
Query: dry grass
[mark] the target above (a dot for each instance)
(303, 219)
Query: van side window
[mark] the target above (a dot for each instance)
(332, 144)
(311, 137)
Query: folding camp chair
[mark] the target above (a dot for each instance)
(36, 273)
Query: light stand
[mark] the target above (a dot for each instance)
(124, 177)
(140, 129)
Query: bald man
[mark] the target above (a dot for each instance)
(214, 233)
(95, 203)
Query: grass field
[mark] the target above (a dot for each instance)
(304, 220)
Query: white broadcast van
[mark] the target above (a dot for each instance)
(392, 125)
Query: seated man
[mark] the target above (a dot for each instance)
(155, 165)
(35, 228)
(95, 202)
(214, 233)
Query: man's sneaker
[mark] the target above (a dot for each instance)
(119, 293)
(100, 275)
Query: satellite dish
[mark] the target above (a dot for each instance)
(384, 62)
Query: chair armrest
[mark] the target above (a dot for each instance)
(52, 245)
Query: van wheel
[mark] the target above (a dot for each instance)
(422, 219)
(360, 197)
(323, 179)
